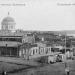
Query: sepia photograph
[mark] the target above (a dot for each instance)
(37, 37)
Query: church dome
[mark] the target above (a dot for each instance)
(8, 23)
(8, 19)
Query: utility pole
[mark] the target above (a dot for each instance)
(65, 47)
(67, 68)
(65, 43)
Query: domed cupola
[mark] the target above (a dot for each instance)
(8, 23)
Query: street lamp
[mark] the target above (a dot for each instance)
(6, 50)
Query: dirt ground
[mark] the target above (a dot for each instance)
(13, 68)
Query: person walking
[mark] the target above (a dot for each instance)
(67, 69)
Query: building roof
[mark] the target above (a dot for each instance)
(8, 33)
(8, 19)
(9, 44)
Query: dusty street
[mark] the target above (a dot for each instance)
(15, 66)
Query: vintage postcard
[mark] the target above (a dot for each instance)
(37, 37)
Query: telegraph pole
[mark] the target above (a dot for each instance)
(67, 68)
(65, 43)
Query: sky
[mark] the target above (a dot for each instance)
(43, 15)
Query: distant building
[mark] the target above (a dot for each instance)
(28, 38)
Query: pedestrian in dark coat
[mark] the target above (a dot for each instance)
(4, 73)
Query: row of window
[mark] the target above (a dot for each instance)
(8, 27)
(41, 51)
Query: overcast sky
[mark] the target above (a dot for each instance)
(43, 15)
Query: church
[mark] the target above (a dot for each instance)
(10, 39)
